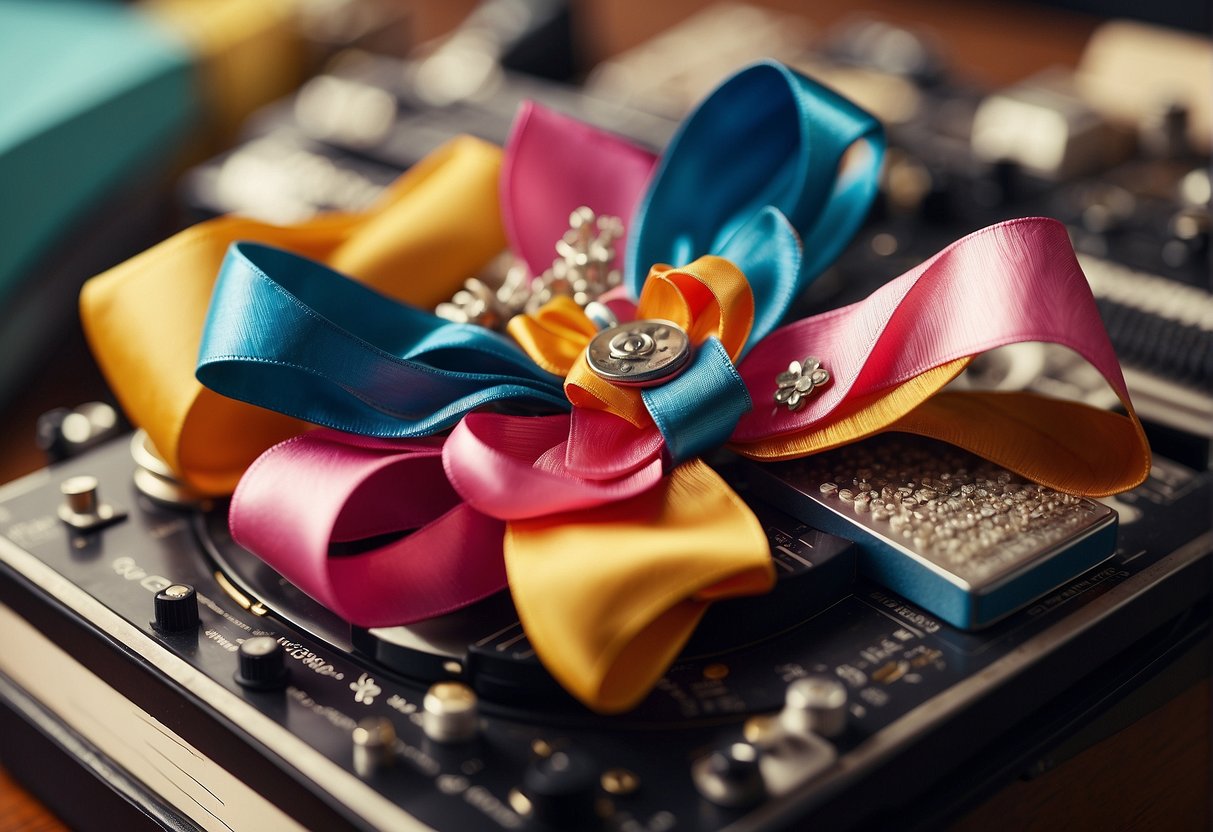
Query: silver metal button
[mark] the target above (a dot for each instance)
(82, 509)
(640, 353)
(374, 744)
(450, 713)
(816, 703)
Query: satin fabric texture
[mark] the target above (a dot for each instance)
(610, 547)
(144, 318)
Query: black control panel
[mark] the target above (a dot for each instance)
(454, 724)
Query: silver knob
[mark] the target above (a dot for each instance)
(82, 508)
(730, 775)
(374, 744)
(81, 494)
(450, 713)
(817, 704)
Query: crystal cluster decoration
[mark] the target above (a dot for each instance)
(583, 271)
(799, 381)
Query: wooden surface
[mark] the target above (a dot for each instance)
(19, 812)
(1155, 774)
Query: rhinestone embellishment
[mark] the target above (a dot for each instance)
(799, 381)
(639, 353)
(584, 269)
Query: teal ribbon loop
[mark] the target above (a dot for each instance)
(770, 141)
(697, 410)
(292, 335)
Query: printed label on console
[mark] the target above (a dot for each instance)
(312, 661)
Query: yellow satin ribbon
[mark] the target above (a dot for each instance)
(609, 596)
(1059, 444)
(434, 227)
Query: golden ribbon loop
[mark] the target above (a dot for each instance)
(710, 297)
(1056, 443)
(608, 622)
(435, 226)
(555, 335)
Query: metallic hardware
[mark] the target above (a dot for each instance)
(639, 353)
(730, 776)
(157, 481)
(374, 744)
(584, 271)
(82, 509)
(817, 704)
(799, 382)
(450, 713)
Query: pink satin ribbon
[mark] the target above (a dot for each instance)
(520, 469)
(343, 488)
(538, 194)
(1007, 283)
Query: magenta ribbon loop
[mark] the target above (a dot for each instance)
(1012, 282)
(513, 467)
(340, 488)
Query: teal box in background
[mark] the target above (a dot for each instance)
(93, 96)
(96, 104)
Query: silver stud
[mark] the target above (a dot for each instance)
(640, 353)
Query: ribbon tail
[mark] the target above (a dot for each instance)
(890, 354)
(318, 507)
(1063, 445)
(144, 318)
(608, 596)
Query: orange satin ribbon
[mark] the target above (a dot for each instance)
(708, 297)
(434, 227)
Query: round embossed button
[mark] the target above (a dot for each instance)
(639, 353)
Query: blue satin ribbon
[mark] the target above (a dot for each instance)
(768, 140)
(697, 410)
(292, 335)
(752, 173)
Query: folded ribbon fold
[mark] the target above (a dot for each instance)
(328, 350)
(144, 318)
(443, 554)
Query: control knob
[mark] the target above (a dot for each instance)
(562, 789)
(176, 609)
(817, 704)
(262, 664)
(730, 775)
(450, 713)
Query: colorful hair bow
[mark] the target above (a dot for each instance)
(616, 535)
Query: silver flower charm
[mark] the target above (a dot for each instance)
(799, 382)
